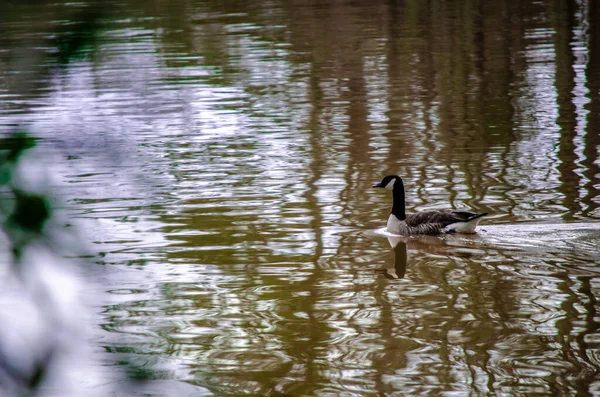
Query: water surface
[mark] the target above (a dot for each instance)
(219, 158)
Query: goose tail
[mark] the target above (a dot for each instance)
(465, 227)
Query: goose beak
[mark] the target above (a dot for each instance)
(378, 185)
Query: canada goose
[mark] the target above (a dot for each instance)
(425, 222)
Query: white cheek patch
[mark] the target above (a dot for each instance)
(390, 184)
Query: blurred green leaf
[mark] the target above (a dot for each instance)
(75, 39)
(15, 145)
(41, 369)
(30, 213)
(5, 173)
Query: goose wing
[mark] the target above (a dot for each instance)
(439, 217)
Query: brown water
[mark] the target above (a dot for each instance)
(219, 157)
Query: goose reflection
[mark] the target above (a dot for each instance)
(400, 256)
(447, 246)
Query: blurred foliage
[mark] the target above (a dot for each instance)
(30, 211)
(11, 148)
(75, 40)
(24, 213)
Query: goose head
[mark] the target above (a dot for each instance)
(389, 182)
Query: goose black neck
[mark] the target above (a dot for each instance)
(398, 207)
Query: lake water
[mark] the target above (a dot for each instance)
(217, 159)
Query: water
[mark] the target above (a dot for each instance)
(218, 158)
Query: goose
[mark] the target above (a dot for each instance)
(424, 222)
